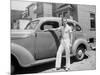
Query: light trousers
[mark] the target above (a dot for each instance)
(64, 45)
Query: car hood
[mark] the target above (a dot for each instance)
(21, 33)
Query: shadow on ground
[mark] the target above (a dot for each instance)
(43, 67)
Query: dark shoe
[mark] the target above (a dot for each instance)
(58, 68)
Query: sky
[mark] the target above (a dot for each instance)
(19, 5)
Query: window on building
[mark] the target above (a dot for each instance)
(92, 21)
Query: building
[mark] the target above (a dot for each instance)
(45, 9)
(84, 14)
(66, 10)
(86, 18)
(23, 23)
(38, 9)
(15, 15)
(29, 13)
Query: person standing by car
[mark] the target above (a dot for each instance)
(66, 42)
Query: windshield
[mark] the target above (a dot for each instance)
(32, 25)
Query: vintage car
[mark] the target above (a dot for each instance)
(35, 45)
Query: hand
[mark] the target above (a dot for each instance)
(46, 30)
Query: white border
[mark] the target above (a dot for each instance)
(89, 2)
(5, 36)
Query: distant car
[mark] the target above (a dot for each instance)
(34, 45)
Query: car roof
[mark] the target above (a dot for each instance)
(47, 18)
(54, 18)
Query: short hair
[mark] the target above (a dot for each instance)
(64, 19)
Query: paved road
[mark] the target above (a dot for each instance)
(88, 63)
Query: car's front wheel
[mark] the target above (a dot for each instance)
(14, 65)
(80, 52)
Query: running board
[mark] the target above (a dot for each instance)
(38, 62)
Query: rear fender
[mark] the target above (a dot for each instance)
(77, 43)
(23, 56)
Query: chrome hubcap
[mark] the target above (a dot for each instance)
(80, 53)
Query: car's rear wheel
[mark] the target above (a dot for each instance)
(80, 52)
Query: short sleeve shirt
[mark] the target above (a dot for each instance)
(66, 32)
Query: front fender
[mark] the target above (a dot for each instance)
(23, 56)
(79, 42)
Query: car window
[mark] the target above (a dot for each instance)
(77, 27)
(32, 25)
(49, 25)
